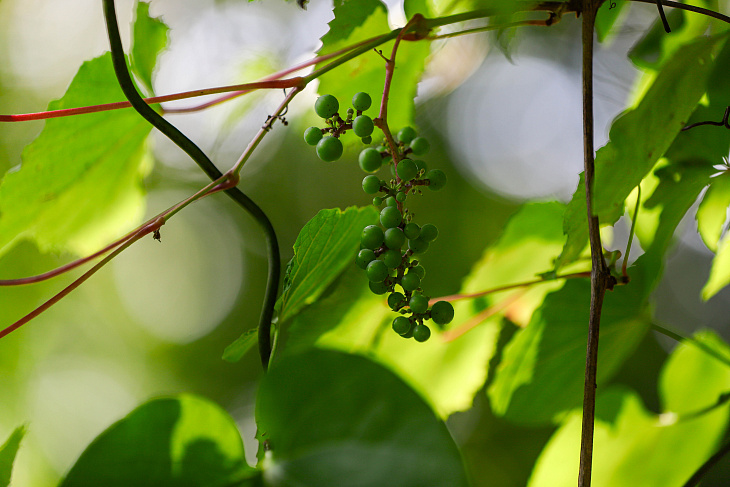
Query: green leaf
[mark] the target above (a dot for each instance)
(180, 441)
(7, 455)
(541, 372)
(575, 226)
(641, 136)
(236, 350)
(325, 246)
(79, 184)
(640, 448)
(608, 15)
(334, 419)
(720, 271)
(355, 21)
(712, 212)
(149, 38)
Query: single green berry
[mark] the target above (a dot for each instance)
(364, 257)
(377, 201)
(326, 106)
(442, 312)
(377, 271)
(392, 258)
(421, 165)
(371, 184)
(418, 303)
(390, 201)
(367, 140)
(372, 237)
(412, 230)
(378, 287)
(329, 149)
(390, 217)
(400, 196)
(421, 332)
(429, 232)
(394, 238)
(370, 160)
(436, 178)
(406, 135)
(350, 113)
(401, 325)
(396, 301)
(418, 270)
(407, 169)
(363, 126)
(312, 135)
(420, 146)
(418, 246)
(410, 282)
(361, 101)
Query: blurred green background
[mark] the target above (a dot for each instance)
(157, 319)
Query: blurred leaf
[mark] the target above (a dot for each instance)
(236, 350)
(325, 246)
(575, 226)
(412, 7)
(356, 21)
(79, 184)
(720, 271)
(149, 38)
(712, 212)
(641, 136)
(608, 15)
(7, 455)
(640, 448)
(180, 441)
(541, 372)
(336, 419)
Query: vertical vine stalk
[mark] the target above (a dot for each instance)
(601, 278)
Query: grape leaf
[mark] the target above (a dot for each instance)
(7, 454)
(330, 418)
(720, 271)
(356, 21)
(655, 450)
(179, 441)
(79, 183)
(325, 246)
(149, 38)
(607, 17)
(575, 226)
(712, 212)
(236, 350)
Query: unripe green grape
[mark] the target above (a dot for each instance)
(436, 178)
(390, 217)
(421, 332)
(377, 271)
(407, 169)
(442, 312)
(429, 232)
(390, 201)
(394, 238)
(364, 257)
(313, 135)
(361, 101)
(367, 140)
(418, 246)
(410, 282)
(418, 270)
(401, 325)
(418, 303)
(396, 301)
(350, 113)
(392, 258)
(371, 184)
(370, 160)
(412, 230)
(421, 165)
(377, 201)
(378, 287)
(363, 126)
(372, 237)
(329, 149)
(326, 106)
(406, 135)
(400, 196)
(420, 146)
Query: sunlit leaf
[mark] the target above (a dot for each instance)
(712, 212)
(236, 350)
(7, 454)
(607, 17)
(635, 447)
(334, 419)
(720, 271)
(149, 39)
(326, 245)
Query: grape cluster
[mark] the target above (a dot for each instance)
(388, 250)
(327, 140)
